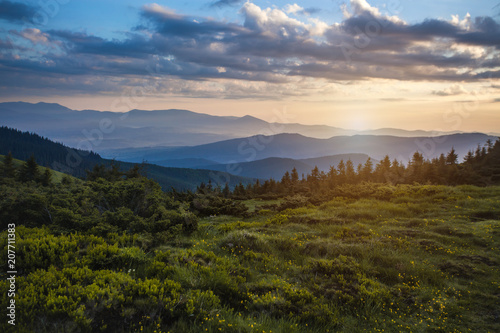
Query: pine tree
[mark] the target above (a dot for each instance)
(9, 171)
(452, 157)
(46, 178)
(341, 172)
(29, 171)
(294, 176)
(349, 172)
(382, 170)
(367, 169)
(332, 176)
(98, 171)
(226, 192)
(286, 180)
(257, 187)
(114, 174)
(134, 172)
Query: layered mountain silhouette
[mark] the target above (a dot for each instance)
(299, 147)
(181, 139)
(275, 167)
(161, 128)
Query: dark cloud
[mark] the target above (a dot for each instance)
(135, 46)
(267, 47)
(16, 12)
(225, 3)
(311, 11)
(170, 23)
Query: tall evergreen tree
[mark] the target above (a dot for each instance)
(226, 192)
(349, 172)
(294, 176)
(98, 171)
(314, 177)
(286, 180)
(367, 169)
(46, 178)
(134, 172)
(29, 170)
(382, 170)
(8, 169)
(452, 157)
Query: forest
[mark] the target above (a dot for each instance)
(376, 248)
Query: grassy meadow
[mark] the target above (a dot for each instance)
(406, 258)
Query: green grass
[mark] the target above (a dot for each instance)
(424, 259)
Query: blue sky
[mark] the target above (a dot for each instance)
(108, 16)
(355, 63)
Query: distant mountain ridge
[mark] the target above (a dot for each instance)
(299, 147)
(170, 128)
(275, 167)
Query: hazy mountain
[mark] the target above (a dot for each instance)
(295, 146)
(105, 131)
(195, 163)
(74, 162)
(275, 167)
(323, 163)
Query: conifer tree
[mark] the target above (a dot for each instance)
(349, 172)
(226, 192)
(9, 170)
(46, 178)
(452, 157)
(341, 172)
(29, 170)
(294, 176)
(367, 169)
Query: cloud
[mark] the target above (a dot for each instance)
(269, 50)
(35, 36)
(455, 89)
(16, 12)
(225, 3)
(298, 10)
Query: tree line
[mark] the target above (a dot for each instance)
(480, 167)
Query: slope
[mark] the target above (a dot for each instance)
(74, 162)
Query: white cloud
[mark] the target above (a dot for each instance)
(464, 24)
(456, 89)
(35, 36)
(360, 7)
(293, 9)
(270, 20)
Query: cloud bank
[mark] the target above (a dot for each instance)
(270, 51)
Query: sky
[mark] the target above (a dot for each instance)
(358, 64)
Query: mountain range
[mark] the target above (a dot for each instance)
(173, 141)
(107, 131)
(299, 147)
(275, 167)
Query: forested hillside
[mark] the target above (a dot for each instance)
(47, 153)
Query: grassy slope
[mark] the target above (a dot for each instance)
(425, 262)
(56, 175)
(405, 259)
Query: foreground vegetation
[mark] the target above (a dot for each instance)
(336, 252)
(123, 256)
